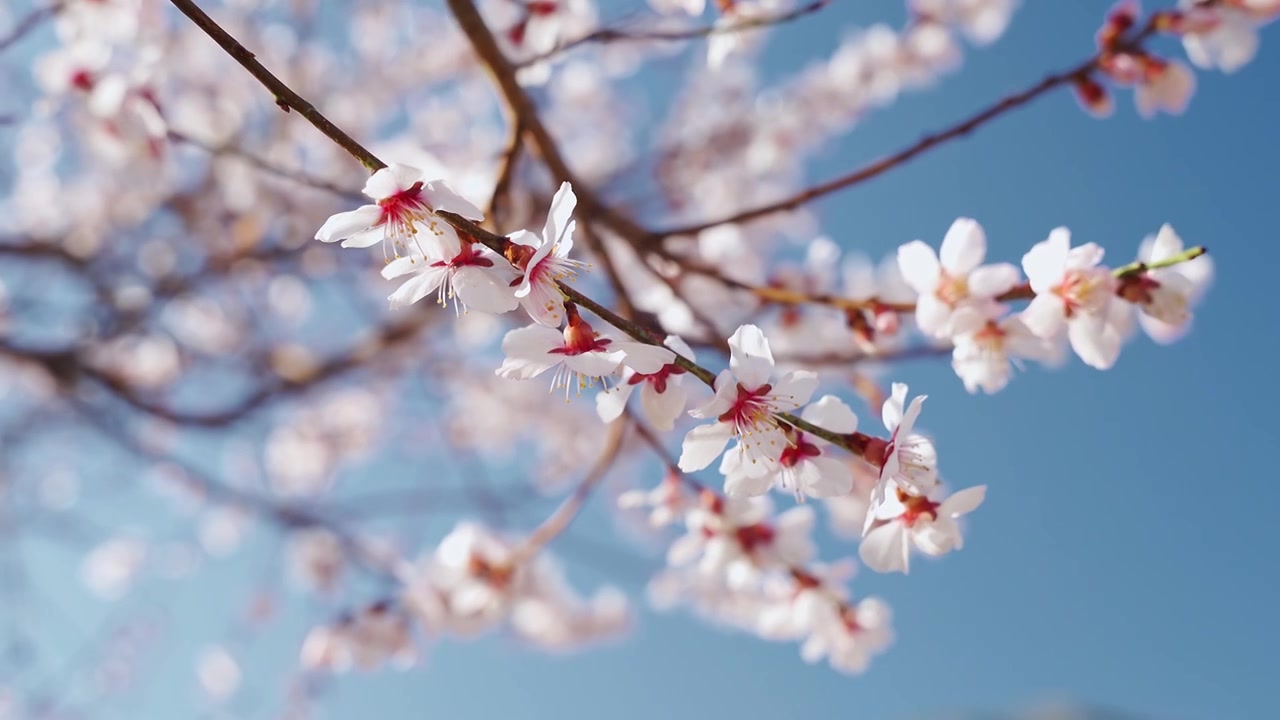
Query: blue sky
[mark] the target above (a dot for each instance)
(1122, 557)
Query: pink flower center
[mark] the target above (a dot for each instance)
(750, 409)
(401, 209)
(82, 80)
(752, 537)
(952, 290)
(468, 256)
(1083, 290)
(658, 379)
(802, 449)
(579, 338)
(917, 506)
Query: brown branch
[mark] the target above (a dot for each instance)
(564, 515)
(525, 112)
(610, 35)
(928, 142)
(506, 174)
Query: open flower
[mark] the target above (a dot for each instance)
(405, 203)
(579, 354)
(1073, 291)
(904, 520)
(805, 467)
(908, 460)
(662, 394)
(1165, 295)
(744, 407)
(954, 282)
(545, 260)
(468, 274)
(986, 352)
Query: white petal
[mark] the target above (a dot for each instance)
(891, 411)
(794, 389)
(528, 351)
(1096, 342)
(726, 395)
(390, 180)
(418, 287)
(610, 404)
(642, 357)
(1044, 316)
(993, 280)
(680, 347)
(885, 548)
(933, 316)
(830, 413)
(1046, 261)
(595, 364)
(964, 247)
(919, 266)
(750, 358)
(824, 477)
(562, 205)
(484, 289)
(740, 484)
(344, 225)
(703, 444)
(441, 197)
(662, 408)
(963, 502)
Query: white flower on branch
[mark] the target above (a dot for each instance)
(745, 407)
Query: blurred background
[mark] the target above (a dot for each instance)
(188, 380)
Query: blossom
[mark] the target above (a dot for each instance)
(985, 352)
(545, 260)
(908, 459)
(405, 202)
(1166, 85)
(848, 636)
(667, 502)
(745, 407)
(805, 466)
(1075, 292)
(469, 274)
(1224, 36)
(375, 635)
(954, 284)
(880, 288)
(905, 519)
(662, 394)
(579, 354)
(1164, 295)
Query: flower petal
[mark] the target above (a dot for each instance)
(484, 289)
(885, 548)
(750, 358)
(919, 266)
(417, 287)
(993, 280)
(441, 197)
(703, 444)
(562, 205)
(662, 408)
(964, 247)
(345, 224)
(611, 403)
(830, 413)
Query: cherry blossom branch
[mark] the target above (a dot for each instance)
(610, 35)
(285, 97)
(30, 22)
(928, 142)
(526, 112)
(506, 173)
(564, 515)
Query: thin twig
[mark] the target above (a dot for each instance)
(928, 142)
(609, 35)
